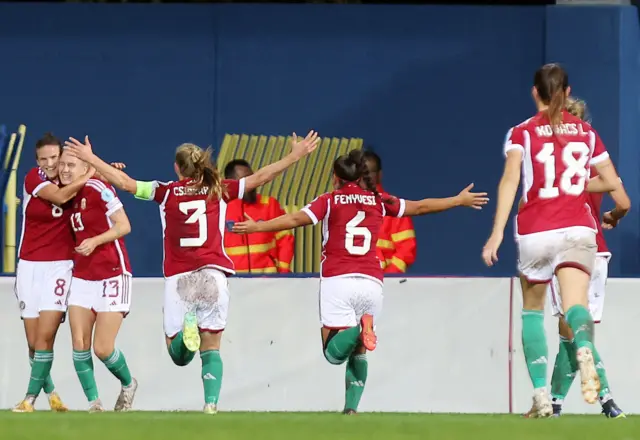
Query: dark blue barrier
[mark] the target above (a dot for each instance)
(433, 89)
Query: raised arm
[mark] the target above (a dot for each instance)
(59, 196)
(116, 177)
(299, 149)
(430, 206)
(282, 223)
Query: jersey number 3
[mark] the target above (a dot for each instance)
(353, 231)
(574, 157)
(198, 210)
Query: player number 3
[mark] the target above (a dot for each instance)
(198, 210)
(353, 231)
(573, 167)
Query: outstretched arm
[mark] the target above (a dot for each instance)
(299, 149)
(116, 177)
(430, 206)
(282, 223)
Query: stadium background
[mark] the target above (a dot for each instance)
(432, 89)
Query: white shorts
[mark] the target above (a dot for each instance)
(204, 291)
(596, 290)
(540, 254)
(343, 301)
(110, 295)
(42, 286)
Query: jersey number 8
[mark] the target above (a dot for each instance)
(353, 231)
(198, 208)
(573, 167)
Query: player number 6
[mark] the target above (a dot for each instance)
(353, 231)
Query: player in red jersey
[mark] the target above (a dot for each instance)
(43, 274)
(555, 228)
(351, 276)
(192, 211)
(565, 366)
(101, 294)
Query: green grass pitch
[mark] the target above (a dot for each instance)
(308, 426)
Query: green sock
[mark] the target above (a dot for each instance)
(211, 375)
(117, 364)
(602, 374)
(83, 362)
(355, 378)
(564, 370)
(180, 355)
(48, 385)
(42, 361)
(579, 319)
(534, 343)
(340, 347)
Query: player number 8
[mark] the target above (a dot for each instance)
(353, 231)
(574, 167)
(56, 211)
(199, 216)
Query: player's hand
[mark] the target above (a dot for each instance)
(81, 150)
(87, 247)
(609, 221)
(472, 200)
(490, 250)
(118, 165)
(301, 147)
(246, 227)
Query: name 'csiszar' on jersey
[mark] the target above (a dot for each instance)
(555, 170)
(193, 225)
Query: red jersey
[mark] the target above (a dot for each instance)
(351, 220)
(595, 203)
(193, 227)
(92, 206)
(555, 171)
(46, 234)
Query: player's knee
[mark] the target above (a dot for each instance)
(45, 341)
(103, 349)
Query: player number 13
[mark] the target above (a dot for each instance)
(198, 211)
(575, 156)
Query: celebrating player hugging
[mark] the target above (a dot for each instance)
(195, 264)
(351, 274)
(555, 228)
(43, 274)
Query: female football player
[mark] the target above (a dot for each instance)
(101, 294)
(195, 264)
(555, 229)
(351, 275)
(43, 275)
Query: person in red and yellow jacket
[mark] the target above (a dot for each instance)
(258, 253)
(396, 247)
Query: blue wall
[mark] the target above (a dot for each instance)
(433, 89)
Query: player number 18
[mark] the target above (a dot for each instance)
(353, 231)
(573, 167)
(198, 211)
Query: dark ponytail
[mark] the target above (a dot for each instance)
(352, 167)
(551, 83)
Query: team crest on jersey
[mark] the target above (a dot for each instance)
(83, 204)
(107, 195)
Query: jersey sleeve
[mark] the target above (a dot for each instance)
(153, 190)
(107, 196)
(234, 189)
(392, 206)
(319, 208)
(35, 180)
(600, 153)
(514, 141)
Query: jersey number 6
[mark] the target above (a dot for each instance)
(198, 208)
(353, 231)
